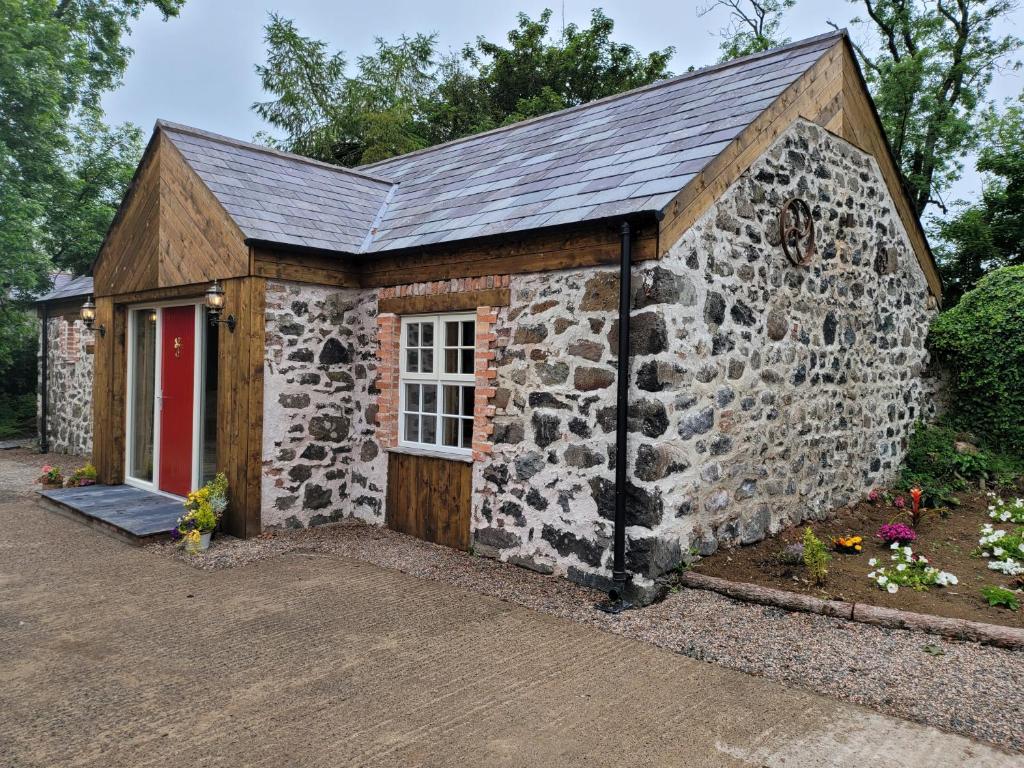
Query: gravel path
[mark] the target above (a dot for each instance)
(959, 687)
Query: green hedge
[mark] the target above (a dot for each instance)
(981, 342)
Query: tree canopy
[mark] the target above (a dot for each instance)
(62, 170)
(406, 95)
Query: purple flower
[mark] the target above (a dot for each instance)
(873, 496)
(175, 534)
(900, 532)
(900, 502)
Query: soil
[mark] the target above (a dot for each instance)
(946, 542)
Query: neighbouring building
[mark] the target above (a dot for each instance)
(65, 368)
(431, 342)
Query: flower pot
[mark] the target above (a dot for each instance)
(204, 541)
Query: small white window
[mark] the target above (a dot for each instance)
(437, 382)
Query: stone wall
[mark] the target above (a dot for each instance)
(69, 386)
(320, 459)
(762, 394)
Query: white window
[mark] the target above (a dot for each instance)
(437, 383)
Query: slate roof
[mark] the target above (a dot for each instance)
(626, 154)
(66, 286)
(282, 198)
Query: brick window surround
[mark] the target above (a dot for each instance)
(484, 295)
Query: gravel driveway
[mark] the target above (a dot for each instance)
(70, 596)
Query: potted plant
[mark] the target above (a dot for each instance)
(82, 477)
(51, 477)
(205, 507)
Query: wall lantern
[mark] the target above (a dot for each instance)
(215, 305)
(89, 316)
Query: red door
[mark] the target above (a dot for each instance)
(177, 385)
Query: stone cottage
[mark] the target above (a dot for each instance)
(432, 342)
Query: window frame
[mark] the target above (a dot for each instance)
(437, 377)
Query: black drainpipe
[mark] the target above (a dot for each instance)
(620, 579)
(44, 443)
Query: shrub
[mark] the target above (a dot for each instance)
(981, 342)
(933, 463)
(1001, 597)
(84, 476)
(816, 557)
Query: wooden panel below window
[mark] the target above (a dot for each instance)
(429, 498)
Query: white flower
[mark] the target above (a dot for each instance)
(998, 551)
(894, 545)
(901, 567)
(892, 589)
(872, 575)
(874, 560)
(908, 551)
(1019, 503)
(1005, 516)
(946, 579)
(922, 558)
(882, 581)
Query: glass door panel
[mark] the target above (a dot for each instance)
(140, 431)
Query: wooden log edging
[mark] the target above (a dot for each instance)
(957, 629)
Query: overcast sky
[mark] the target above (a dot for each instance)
(198, 69)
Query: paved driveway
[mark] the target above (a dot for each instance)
(112, 656)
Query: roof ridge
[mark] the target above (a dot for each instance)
(200, 133)
(838, 34)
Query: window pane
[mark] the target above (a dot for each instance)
(451, 334)
(428, 429)
(467, 433)
(467, 401)
(429, 404)
(451, 361)
(426, 361)
(144, 382)
(412, 428)
(426, 334)
(412, 335)
(451, 399)
(467, 361)
(412, 397)
(450, 427)
(468, 332)
(412, 361)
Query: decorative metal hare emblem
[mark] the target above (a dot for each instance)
(177, 346)
(797, 229)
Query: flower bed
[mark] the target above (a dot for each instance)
(943, 574)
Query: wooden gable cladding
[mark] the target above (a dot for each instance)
(199, 241)
(584, 245)
(127, 260)
(833, 95)
(170, 231)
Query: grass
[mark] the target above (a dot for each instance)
(17, 415)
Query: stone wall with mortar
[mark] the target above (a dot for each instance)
(762, 393)
(69, 386)
(321, 461)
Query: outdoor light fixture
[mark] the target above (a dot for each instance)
(215, 305)
(89, 316)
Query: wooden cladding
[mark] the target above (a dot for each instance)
(583, 245)
(169, 231)
(110, 381)
(240, 403)
(429, 498)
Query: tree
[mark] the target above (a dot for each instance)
(56, 60)
(754, 26)
(929, 78)
(988, 233)
(404, 96)
(535, 74)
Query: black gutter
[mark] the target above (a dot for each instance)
(44, 443)
(620, 578)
